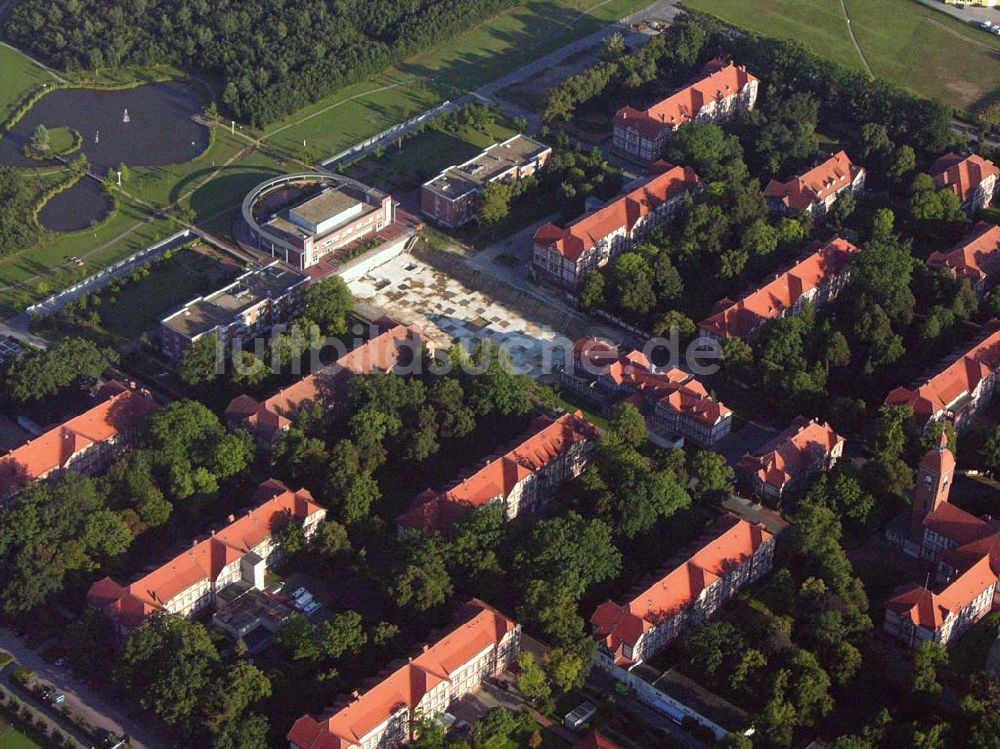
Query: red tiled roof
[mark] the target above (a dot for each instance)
(617, 625)
(484, 627)
(204, 560)
(550, 439)
(620, 214)
(685, 105)
(956, 524)
(738, 319)
(791, 453)
(121, 409)
(595, 740)
(381, 353)
(962, 175)
(955, 380)
(964, 556)
(977, 259)
(930, 610)
(816, 185)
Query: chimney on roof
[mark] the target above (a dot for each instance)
(426, 647)
(355, 695)
(231, 518)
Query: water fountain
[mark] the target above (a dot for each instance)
(125, 116)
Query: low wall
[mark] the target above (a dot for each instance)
(381, 255)
(99, 280)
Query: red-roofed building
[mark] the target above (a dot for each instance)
(630, 633)
(673, 401)
(522, 480)
(787, 461)
(595, 740)
(87, 443)
(972, 178)
(965, 549)
(241, 552)
(816, 279)
(958, 391)
(642, 135)
(816, 190)
(268, 419)
(485, 643)
(977, 259)
(565, 256)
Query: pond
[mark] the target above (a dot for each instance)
(148, 125)
(82, 205)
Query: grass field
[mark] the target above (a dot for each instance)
(426, 154)
(484, 53)
(20, 77)
(903, 41)
(12, 739)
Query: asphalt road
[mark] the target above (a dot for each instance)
(81, 699)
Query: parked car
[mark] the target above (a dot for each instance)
(311, 607)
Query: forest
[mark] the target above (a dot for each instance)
(273, 57)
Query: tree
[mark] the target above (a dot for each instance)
(714, 475)
(533, 683)
(327, 304)
(90, 642)
(566, 667)
(420, 577)
(202, 361)
(249, 732)
(298, 638)
(927, 659)
(331, 540)
(779, 718)
(629, 425)
(455, 419)
(291, 538)
(344, 633)
(810, 688)
(229, 698)
(495, 729)
(632, 281)
(569, 551)
(592, 291)
(989, 453)
(712, 645)
(301, 458)
(495, 205)
(105, 535)
(39, 141)
(553, 609)
(44, 373)
(168, 663)
(709, 151)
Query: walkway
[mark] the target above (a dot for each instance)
(83, 700)
(854, 41)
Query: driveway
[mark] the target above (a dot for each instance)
(83, 700)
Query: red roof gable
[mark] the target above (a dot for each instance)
(977, 259)
(962, 175)
(204, 560)
(685, 105)
(791, 453)
(121, 409)
(738, 319)
(816, 185)
(621, 214)
(551, 438)
(957, 379)
(930, 610)
(617, 625)
(482, 627)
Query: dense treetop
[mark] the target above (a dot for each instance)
(275, 56)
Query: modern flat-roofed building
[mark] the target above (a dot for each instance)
(189, 583)
(818, 189)
(566, 255)
(972, 178)
(726, 90)
(452, 197)
(249, 306)
(332, 214)
(782, 465)
(976, 259)
(959, 390)
(816, 279)
(522, 480)
(484, 643)
(87, 443)
(737, 554)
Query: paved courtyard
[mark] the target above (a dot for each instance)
(448, 311)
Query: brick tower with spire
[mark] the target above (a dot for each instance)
(934, 479)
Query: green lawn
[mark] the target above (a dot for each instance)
(62, 139)
(20, 77)
(12, 739)
(904, 42)
(485, 53)
(425, 155)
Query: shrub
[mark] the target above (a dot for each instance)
(22, 675)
